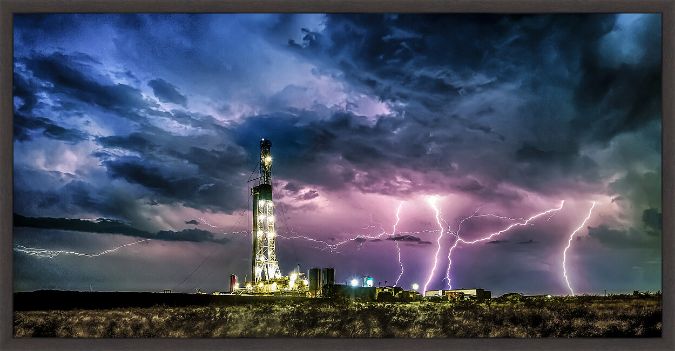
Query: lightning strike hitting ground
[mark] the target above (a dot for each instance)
(458, 231)
(569, 243)
(398, 248)
(432, 202)
(45, 253)
(490, 236)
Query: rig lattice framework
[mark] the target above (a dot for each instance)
(264, 263)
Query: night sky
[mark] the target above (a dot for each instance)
(148, 126)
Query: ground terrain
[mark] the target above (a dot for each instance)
(585, 316)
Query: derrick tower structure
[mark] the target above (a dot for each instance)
(264, 264)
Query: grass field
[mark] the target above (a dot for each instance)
(542, 317)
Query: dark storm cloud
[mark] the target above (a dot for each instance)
(174, 185)
(217, 163)
(196, 235)
(192, 221)
(408, 238)
(308, 195)
(167, 92)
(292, 187)
(653, 220)
(25, 90)
(497, 242)
(111, 226)
(23, 125)
(622, 238)
(133, 142)
(345, 152)
(101, 225)
(69, 78)
(608, 91)
(416, 61)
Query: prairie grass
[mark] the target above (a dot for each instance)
(556, 317)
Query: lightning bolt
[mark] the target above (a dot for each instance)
(569, 243)
(239, 232)
(334, 247)
(45, 253)
(432, 202)
(203, 220)
(398, 248)
(459, 239)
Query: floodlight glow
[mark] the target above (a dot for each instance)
(354, 283)
(415, 286)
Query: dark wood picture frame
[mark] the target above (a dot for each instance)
(9, 7)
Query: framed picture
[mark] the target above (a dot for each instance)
(361, 175)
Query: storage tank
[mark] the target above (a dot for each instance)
(234, 285)
(314, 281)
(327, 276)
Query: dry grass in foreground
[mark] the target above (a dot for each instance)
(556, 317)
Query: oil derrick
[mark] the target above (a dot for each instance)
(264, 264)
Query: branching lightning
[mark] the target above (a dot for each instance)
(569, 243)
(458, 240)
(432, 202)
(398, 248)
(203, 220)
(45, 253)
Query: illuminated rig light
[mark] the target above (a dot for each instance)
(369, 282)
(415, 286)
(354, 282)
(432, 200)
(569, 244)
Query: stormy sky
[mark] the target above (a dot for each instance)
(131, 127)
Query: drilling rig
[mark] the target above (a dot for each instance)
(266, 277)
(264, 265)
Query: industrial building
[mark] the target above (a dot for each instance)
(459, 294)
